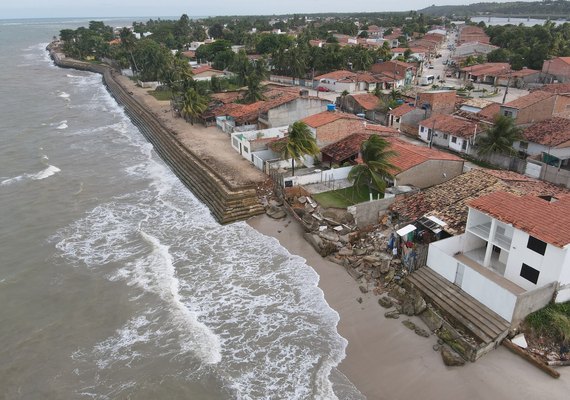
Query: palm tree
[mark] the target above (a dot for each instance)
(499, 138)
(300, 142)
(254, 89)
(376, 166)
(193, 104)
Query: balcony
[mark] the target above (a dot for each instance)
(478, 255)
(482, 230)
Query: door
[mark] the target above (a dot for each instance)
(459, 274)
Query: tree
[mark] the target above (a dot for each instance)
(300, 142)
(254, 89)
(376, 167)
(499, 138)
(193, 104)
(216, 31)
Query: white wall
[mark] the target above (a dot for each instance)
(533, 148)
(489, 293)
(440, 260)
(323, 176)
(458, 145)
(549, 265)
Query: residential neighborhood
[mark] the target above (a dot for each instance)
(413, 154)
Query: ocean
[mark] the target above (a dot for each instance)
(115, 281)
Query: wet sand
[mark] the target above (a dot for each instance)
(385, 360)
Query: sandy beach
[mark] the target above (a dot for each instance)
(385, 360)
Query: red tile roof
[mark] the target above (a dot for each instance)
(450, 124)
(336, 75)
(551, 132)
(528, 100)
(448, 201)
(326, 117)
(487, 69)
(407, 155)
(547, 221)
(250, 112)
(559, 88)
(401, 110)
(201, 68)
(366, 100)
(488, 113)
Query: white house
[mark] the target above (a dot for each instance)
(253, 145)
(513, 256)
(449, 131)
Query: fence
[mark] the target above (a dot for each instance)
(326, 176)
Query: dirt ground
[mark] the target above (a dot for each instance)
(210, 144)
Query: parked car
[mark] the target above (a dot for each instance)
(323, 89)
(430, 67)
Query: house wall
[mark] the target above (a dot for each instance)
(558, 68)
(295, 110)
(549, 265)
(537, 112)
(368, 213)
(337, 130)
(430, 173)
(533, 148)
(562, 107)
(336, 86)
(318, 177)
(440, 102)
(458, 145)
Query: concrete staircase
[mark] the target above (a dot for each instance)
(462, 310)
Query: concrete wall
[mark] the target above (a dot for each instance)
(532, 301)
(430, 173)
(561, 107)
(555, 175)
(295, 110)
(440, 257)
(369, 213)
(318, 177)
(558, 68)
(440, 101)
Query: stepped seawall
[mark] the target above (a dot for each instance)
(227, 202)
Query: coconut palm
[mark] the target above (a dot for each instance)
(254, 89)
(376, 167)
(499, 138)
(298, 143)
(192, 104)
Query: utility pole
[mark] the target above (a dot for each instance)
(507, 88)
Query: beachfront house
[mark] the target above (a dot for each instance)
(514, 255)
(254, 145)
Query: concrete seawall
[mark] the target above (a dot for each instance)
(227, 202)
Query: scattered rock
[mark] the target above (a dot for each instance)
(451, 358)
(419, 304)
(276, 212)
(385, 267)
(359, 251)
(421, 332)
(345, 252)
(390, 275)
(385, 302)
(394, 314)
(431, 319)
(302, 199)
(330, 236)
(409, 324)
(408, 307)
(436, 347)
(359, 299)
(323, 247)
(363, 289)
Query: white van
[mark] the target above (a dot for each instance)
(427, 80)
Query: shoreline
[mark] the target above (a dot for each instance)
(385, 360)
(216, 177)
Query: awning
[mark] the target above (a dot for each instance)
(405, 230)
(437, 220)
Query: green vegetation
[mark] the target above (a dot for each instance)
(499, 138)
(343, 198)
(163, 95)
(552, 321)
(300, 142)
(376, 169)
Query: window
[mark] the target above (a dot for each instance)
(536, 245)
(235, 142)
(453, 139)
(422, 129)
(246, 149)
(529, 273)
(508, 113)
(445, 136)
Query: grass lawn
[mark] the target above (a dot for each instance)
(164, 95)
(343, 198)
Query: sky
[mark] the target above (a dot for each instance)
(154, 8)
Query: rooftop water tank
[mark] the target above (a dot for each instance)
(331, 107)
